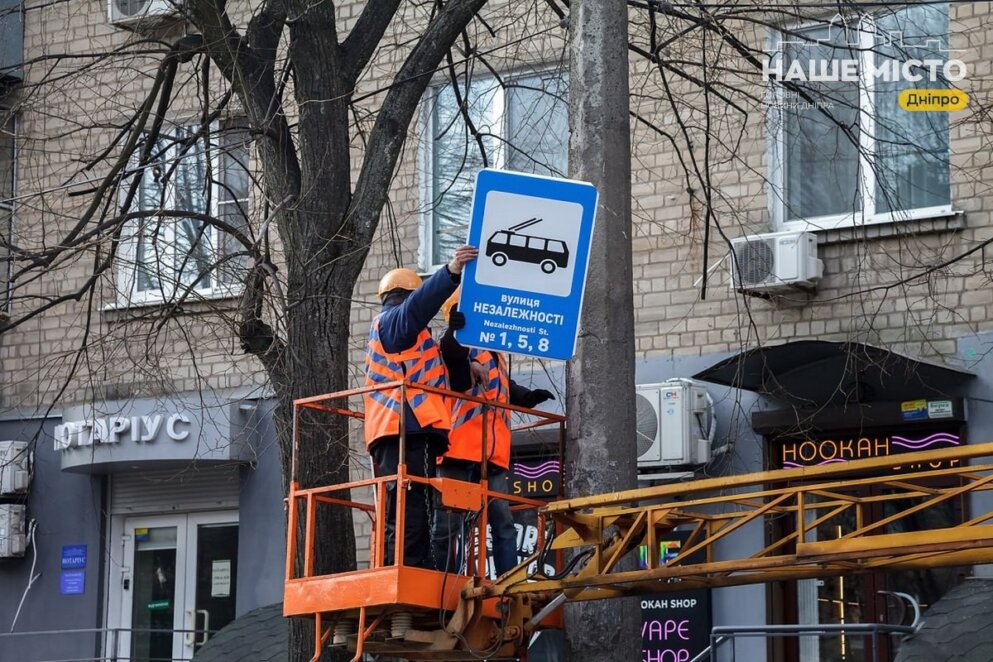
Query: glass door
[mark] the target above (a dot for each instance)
(152, 599)
(178, 588)
(210, 589)
(842, 600)
(867, 598)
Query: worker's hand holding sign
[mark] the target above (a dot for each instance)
(524, 294)
(463, 256)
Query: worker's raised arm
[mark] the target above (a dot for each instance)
(399, 326)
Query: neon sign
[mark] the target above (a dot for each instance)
(814, 452)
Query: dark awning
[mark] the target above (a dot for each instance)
(821, 371)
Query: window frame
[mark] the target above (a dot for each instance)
(776, 128)
(427, 193)
(126, 277)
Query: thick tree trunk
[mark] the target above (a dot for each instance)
(317, 362)
(601, 452)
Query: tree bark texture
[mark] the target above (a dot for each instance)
(601, 451)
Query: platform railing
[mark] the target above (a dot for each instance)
(309, 498)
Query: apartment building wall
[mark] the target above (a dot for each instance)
(862, 296)
(104, 355)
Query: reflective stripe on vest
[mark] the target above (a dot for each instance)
(466, 439)
(421, 364)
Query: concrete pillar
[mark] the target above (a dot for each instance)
(601, 450)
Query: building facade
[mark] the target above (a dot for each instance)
(156, 499)
(154, 512)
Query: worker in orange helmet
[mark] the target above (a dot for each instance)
(400, 347)
(482, 373)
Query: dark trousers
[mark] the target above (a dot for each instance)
(450, 526)
(422, 453)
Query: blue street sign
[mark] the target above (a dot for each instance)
(72, 582)
(73, 557)
(524, 293)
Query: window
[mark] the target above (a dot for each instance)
(168, 256)
(518, 240)
(7, 182)
(522, 125)
(849, 154)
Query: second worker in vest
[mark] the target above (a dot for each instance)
(485, 373)
(401, 347)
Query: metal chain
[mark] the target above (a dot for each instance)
(428, 493)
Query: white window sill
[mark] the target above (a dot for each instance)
(429, 271)
(192, 298)
(835, 230)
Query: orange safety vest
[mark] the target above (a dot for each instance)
(465, 442)
(421, 364)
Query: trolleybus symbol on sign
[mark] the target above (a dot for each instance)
(511, 244)
(524, 293)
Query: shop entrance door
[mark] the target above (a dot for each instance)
(867, 598)
(179, 586)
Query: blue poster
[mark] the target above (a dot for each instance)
(524, 293)
(73, 557)
(72, 582)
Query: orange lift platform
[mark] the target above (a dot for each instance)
(390, 607)
(417, 614)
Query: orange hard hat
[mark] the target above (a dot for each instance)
(450, 302)
(399, 279)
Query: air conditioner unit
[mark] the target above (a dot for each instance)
(775, 262)
(132, 13)
(675, 424)
(12, 537)
(15, 467)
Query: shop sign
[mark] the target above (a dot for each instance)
(675, 626)
(73, 557)
(527, 544)
(536, 478)
(115, 429)
(795, 453)
(164, 432)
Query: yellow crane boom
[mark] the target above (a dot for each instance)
(459, 617)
